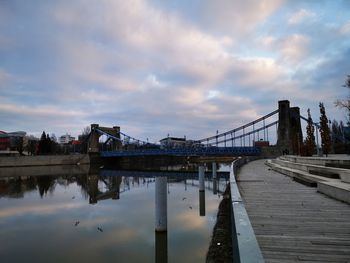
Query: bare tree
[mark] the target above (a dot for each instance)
(86, 130)
(345, 104)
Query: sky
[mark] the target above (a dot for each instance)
(158, 67)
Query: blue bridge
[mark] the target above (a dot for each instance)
(205, 151)
(247, 140)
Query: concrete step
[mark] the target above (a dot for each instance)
(336, 190)
(331, 161)
(331, 187)
(324, 174)
(297, 175)
(330, 172)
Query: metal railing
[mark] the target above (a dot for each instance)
(244, 244)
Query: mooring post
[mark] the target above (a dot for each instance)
(201, 177)
(214, 170)
(201, 190)
(161, 204)
(201, 203)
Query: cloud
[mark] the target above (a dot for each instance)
(154, 69)
(234, 17)
(137, 27)
(300, 16)
(345, 29)
(294, 48)
(4, 77)
(38, 210)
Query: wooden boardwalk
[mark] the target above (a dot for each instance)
(293, 222)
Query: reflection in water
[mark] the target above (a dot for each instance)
(96, 185)
(161, 247)
(201, 203)
(56, 207)
(215, 186)
(111, 184)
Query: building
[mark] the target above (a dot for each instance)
(173, 142)
(261, 143)
(12, 141)
(4, 141)
(66, 139)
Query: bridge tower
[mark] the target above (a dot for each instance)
(93, 143)
(289, 134)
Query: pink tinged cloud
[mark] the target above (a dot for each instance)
(300, 16)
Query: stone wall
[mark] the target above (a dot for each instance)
(40, 160)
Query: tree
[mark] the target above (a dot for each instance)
(86, 130)
(48, 144)
(19, 145)
(53, 138)
(338, 140)
(42, 144)
(83, 138)
(345, 104)
(45, 144)
(310, 136)
(324, 130)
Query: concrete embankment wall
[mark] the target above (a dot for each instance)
(43, 160)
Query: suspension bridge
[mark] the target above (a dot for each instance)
(251, 139)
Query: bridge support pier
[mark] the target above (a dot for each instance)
(289, 134)
(161, 204)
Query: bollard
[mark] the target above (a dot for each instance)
(201, 177)
(214, 170)
(161, 204)
(202, 203)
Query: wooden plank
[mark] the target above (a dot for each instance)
(293, 222)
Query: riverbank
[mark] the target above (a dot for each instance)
(43, 160)
(220, 249)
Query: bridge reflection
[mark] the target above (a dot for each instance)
(96, 184)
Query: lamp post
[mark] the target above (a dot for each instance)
(317, 146)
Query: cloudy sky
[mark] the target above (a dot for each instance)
(155, 67)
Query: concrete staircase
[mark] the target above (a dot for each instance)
(324, 173)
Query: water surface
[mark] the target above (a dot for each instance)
(70, 214)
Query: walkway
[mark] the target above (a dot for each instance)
(293, 222)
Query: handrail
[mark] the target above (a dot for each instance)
(244, 244)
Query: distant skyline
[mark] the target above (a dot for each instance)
(168, 67)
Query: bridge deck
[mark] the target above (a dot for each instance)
(200, 151)
(293, 222)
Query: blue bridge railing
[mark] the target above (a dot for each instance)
(205, 151)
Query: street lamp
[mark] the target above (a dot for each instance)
(317, 146)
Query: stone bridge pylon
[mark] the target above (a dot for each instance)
(289, 133)
(97, 131)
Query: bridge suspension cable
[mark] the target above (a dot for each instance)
(216, 139)
(126, 138)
